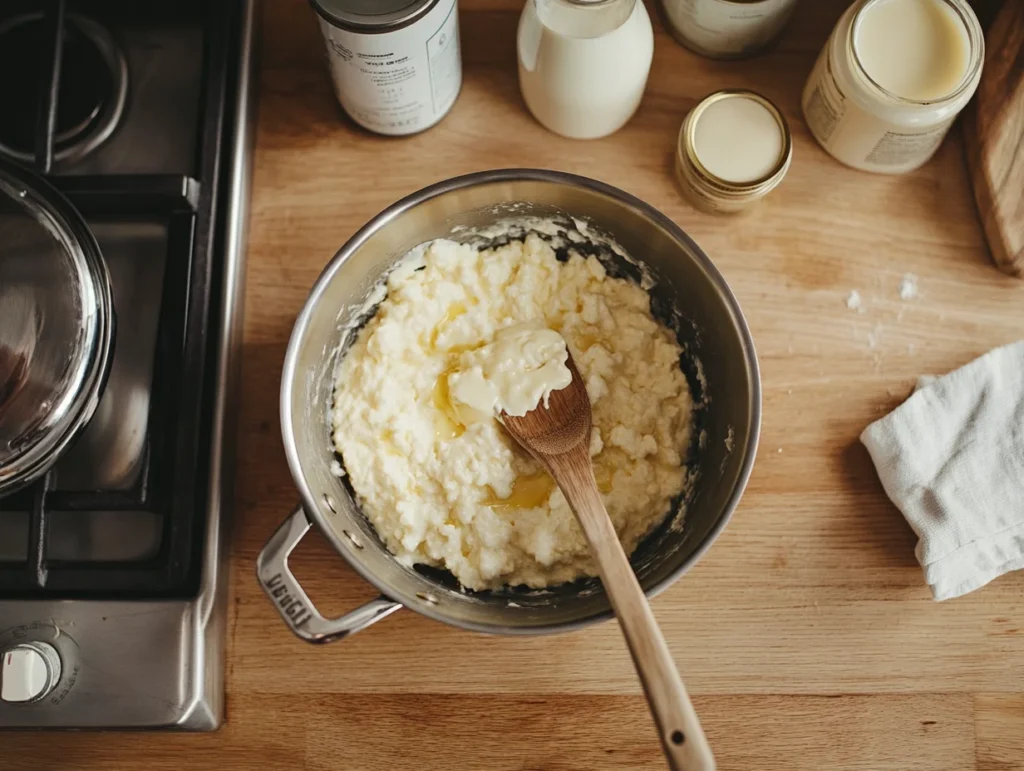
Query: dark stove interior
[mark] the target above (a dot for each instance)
(86, 83)
(120, 514)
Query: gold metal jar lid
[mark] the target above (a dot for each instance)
(710, 191)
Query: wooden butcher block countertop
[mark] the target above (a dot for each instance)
(806, 634)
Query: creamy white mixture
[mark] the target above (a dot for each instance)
(416, 394)
(513, 374)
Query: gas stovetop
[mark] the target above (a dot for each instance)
(112, 567)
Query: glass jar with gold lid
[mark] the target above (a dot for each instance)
(733, 149)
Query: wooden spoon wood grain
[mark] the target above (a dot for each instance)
(558, 436)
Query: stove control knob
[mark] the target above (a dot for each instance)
(28, 672)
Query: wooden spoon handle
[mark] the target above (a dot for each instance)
(682, 737)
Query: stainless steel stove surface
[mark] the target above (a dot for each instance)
(113, 566)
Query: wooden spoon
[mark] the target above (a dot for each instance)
(558, 436)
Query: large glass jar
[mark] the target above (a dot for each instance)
(891, 79)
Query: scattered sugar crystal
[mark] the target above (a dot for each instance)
(908, 287)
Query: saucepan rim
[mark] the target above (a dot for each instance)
(380, 221)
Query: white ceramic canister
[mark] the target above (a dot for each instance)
(734, 148)
(727, 29)
(396, 64)
(891, 79)
(583, 64)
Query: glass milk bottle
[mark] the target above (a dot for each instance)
(583, 64)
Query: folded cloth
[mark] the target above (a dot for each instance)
(951, 458)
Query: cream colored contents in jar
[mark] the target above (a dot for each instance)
(415, 397)
(738, 140)
(915, 49)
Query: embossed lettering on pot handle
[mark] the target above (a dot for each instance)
(291, 601)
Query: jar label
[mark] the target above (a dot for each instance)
(826, 103)
(896, 148)
(397, 82)
(728, 28)
(858, 138)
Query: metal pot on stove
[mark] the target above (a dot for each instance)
(713, 332)
(56, 326)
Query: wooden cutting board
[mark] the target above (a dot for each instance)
(994, 139)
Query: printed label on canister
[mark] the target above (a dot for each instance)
(721, 28)
(402, 81)
(894, 148)
(856, 137)
(824, 103)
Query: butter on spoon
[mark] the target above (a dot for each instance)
(512, 374)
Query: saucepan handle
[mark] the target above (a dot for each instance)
(291, 601)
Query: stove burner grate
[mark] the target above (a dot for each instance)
(92, 86)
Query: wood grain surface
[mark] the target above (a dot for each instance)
(807, 636)
(994, 137)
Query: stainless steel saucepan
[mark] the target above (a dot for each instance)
(720, 363)
(56, 326)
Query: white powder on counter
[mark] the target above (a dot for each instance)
(908, 287)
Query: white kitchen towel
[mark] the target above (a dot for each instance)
(951, 458)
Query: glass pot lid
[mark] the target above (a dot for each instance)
(56, 325)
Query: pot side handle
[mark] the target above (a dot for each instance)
(290, 599)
